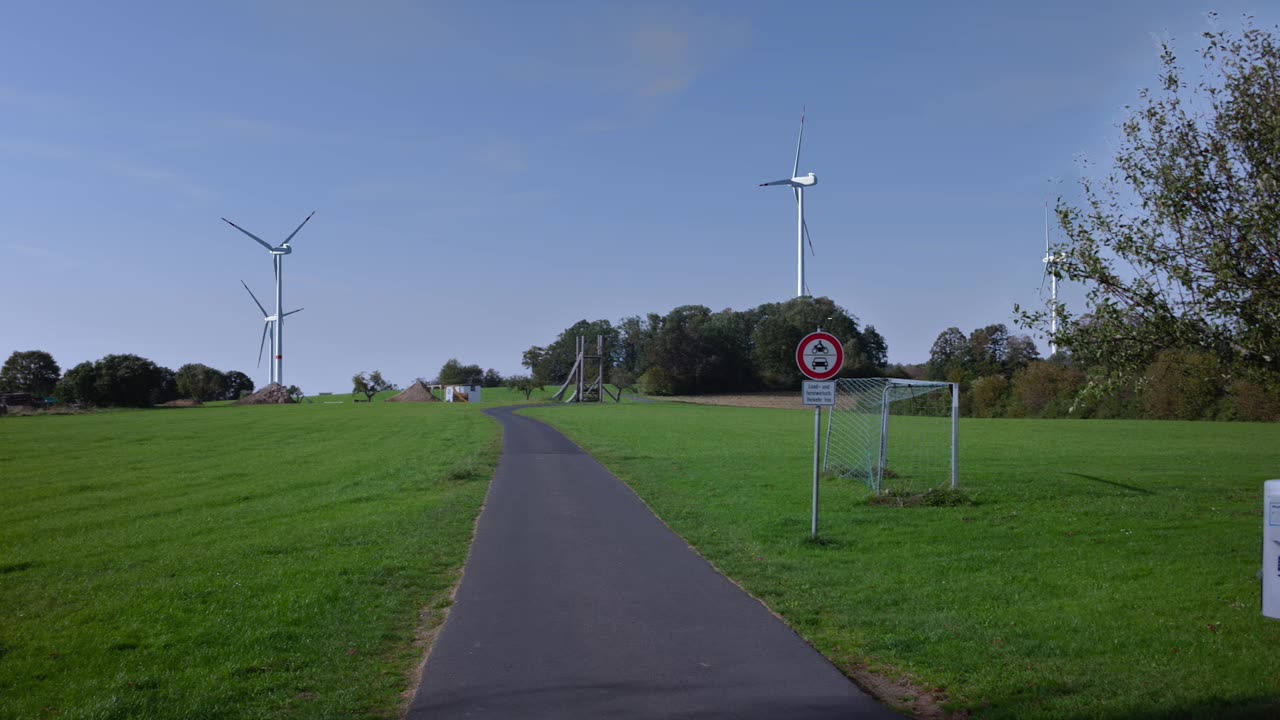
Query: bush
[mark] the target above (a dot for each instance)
(1251, 401)
(1045, 390)
(989, 397)
(522, 383)
(622, 377)
(1181, 385)
(657, 381)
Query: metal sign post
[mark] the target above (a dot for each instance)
(820, 357)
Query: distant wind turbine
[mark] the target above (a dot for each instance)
(274, 322)
(798, 184)
(1050, 273)
(267, 325)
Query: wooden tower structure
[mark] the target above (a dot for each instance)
(587, 386)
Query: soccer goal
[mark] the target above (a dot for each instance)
(891, 433)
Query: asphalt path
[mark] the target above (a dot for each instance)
(576, 602)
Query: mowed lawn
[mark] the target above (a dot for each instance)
(1108, 569)
(271, 561)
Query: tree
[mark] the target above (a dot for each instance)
(633, 334)
(166, 387)
(128, 381)
(532, 359)
(693, 350)
(235, 385)
(32, 371)
(492, 378)
(367, 384)
(987, 350)
(1179, 245)
(295, 393)
(867, 355)
(557, 358)
(200, 382)
(947, 354)
(78, 385)
(781, 327)
(522, 383)
(455, 373)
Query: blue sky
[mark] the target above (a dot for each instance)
(485, 175)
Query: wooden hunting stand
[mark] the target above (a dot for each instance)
(582, 391)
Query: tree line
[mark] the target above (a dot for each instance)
(692, 349)
(1002, 375)
(122, 380)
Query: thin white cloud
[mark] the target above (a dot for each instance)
(28, 100)
(664, 58)
(110, 163)
(503, 157)
(637, 62)
(31, 251)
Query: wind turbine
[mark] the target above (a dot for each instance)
(798, 184)
(267, 324)
(276, 321)
(1050, 272)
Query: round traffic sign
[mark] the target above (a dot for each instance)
(820, 356)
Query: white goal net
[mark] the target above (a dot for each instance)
(894, 434)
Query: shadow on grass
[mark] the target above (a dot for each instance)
(1217, 708)
(1112, 483)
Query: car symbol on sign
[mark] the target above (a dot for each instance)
(819, 363)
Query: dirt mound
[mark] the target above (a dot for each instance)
(756, 400)
(181, 403)
(416, 392)
(273, 394)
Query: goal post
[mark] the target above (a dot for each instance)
(901, 432)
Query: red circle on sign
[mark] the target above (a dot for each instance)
(820, 356)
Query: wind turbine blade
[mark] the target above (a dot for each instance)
(262, 345)
(795, 171)
(261, 242)
(1046, 226)
(255, 299)
(1044, 276)
(294, 311)
(777, 182)
(295, 232)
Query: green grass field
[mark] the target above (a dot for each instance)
(223, 562)
(1108, 569)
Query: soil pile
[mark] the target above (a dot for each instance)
(416, 392)
(181, 403)
(273, 394)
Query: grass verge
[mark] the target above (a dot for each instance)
(269, 561)
(1107, 569)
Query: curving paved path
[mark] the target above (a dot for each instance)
(577, 602)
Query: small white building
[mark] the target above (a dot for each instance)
(462, 393)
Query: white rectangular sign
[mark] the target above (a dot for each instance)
(818, 393)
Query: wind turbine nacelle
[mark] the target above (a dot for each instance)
(805, 180)
(281, 250)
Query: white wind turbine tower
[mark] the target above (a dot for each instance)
(798, 184)
(1050, 272)
(275, 321)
